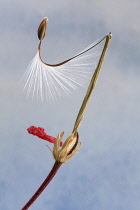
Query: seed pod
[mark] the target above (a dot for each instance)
(42, 29)
(69, 148)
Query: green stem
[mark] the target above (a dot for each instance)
(92, 84)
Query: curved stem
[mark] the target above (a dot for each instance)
(59, 64)
(79, 118)
(91, 85)
(50, 176)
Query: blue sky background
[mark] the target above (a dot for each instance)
(105, 173)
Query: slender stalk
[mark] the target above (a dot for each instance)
(59, 64)
(79, 118)
(50, 176)
(92, 85)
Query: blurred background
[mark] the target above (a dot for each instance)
(105, 173)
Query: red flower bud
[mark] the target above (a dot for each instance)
(40, 132)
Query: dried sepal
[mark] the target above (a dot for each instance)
(68, 149)
(57, 144)
(42, 29)
(73, 152)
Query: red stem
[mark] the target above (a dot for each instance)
(50, 176)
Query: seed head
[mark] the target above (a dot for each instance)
(68, 149)
(42, 29)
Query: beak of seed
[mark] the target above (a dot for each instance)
(42, 29)
(68, 149)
